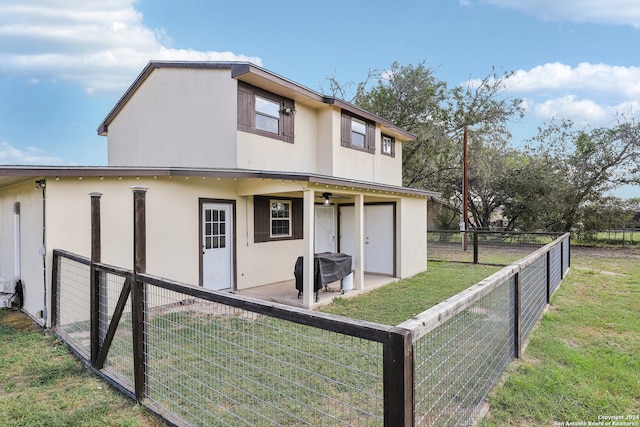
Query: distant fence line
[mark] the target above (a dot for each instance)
(484, 247)
(199, 357)
(617, 236)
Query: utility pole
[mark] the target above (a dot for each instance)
(465, 187)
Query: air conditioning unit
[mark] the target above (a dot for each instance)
(5, 300)
(6, 286)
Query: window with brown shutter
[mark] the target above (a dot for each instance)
(277, 219)
(357, 133)
(265, 113)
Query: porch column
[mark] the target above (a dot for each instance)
(308, 296)
(358, 279)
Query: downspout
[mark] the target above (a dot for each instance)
(43, 249)
(17, 263)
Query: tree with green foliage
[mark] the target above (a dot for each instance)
(547, 186)
(564, 172)
(414, 99)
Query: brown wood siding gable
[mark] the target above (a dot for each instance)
(288, 131)
(371, 137)
(245, 109)
(261, 219)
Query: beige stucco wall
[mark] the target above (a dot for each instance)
(173, 206)
(412, 235)
(264, 153)
(178, 118)
(31, 238)
(172, 218)
(360, 165)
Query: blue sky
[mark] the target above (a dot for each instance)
(65, 63)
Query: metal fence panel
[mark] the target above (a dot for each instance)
(458, 363)
(555, 262)
(119, 362)
(213, 364)
(533, 289)
(73, 314)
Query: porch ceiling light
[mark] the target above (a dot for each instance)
(327, 198)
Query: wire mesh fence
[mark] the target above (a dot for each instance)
(211, 358)
(459, 361)
(463, 345)
(484, 247)
(72, 315)
(214, 358)
(533, 285)
(213, 364)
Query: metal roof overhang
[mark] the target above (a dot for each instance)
(10, 175)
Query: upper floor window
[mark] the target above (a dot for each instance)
(265, 113)
(358, 133)
(388, 145)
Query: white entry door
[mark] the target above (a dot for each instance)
(379, 237)
(324, 230)
(217, 250)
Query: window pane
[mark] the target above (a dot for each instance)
(357, 139)
(267, 124)
(215, 243)
(207, 243)
(358, 132)
(207, 230)
(267, 107)
(386, 145)
(215, 215)
(222, 229)
(358, 126)
(222, 215)
(222, 242)
(215, 229)
(280, 218)
(267, 115)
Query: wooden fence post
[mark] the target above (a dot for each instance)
(548, 262)
(517, 327)
(475, 246)
(138, 300)
(96, 296)
(398, 379)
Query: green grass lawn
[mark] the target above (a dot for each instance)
(583, 360)
(43, 384)
(397, 302)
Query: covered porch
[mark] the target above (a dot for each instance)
(285, 292)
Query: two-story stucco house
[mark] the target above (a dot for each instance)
(245, 171)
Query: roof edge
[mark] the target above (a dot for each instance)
(115, 171)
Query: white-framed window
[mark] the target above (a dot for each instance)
(358, 132)
(267, 115)
(388, 145)
(280, 218)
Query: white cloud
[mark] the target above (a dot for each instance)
(608, 81)
(588, 94)
(101, 46)
(10, 155)
(616, 12)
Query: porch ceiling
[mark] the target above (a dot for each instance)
(285, 181)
